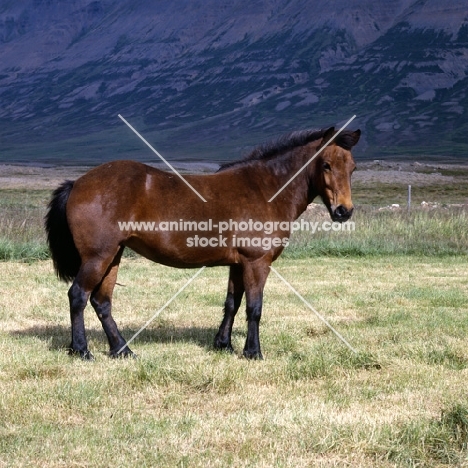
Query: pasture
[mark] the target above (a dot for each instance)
(396, 288)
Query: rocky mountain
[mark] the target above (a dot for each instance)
(206, 79)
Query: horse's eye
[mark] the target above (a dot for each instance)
(326, 167)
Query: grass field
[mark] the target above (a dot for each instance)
(443, 231)
(396, 288)
(401, 401)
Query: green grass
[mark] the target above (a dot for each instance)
(421, 232)
(399, 402)
(443, 231)
(22, 234)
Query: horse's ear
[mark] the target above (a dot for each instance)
(328, 134)
(348, 139)
(355, 137)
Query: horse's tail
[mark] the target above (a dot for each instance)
(67, 260)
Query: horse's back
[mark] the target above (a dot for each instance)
(118, 183)
(112, 175)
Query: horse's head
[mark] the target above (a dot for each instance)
(332, 173)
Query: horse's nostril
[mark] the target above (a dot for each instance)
(342, 213)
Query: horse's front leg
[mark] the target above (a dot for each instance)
(231, 306)
(255, 276)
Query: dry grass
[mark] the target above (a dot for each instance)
(400, 402)
(311, 402)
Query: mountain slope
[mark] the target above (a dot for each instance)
(206, 79)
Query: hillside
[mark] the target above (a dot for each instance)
(205, 80)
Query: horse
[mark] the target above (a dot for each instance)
(91, 220)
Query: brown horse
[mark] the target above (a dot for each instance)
(128, 204)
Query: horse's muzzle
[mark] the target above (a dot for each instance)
(341, 213)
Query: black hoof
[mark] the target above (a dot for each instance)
(254, 355)
(227, 349)
(223, 346)
(85, 355)
(125, 353)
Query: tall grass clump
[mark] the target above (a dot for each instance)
(22, 235)
(440, 441)
(439, 232)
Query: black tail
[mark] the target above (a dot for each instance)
(65, 255)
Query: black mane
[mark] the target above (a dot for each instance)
(346, 140)
(277, 147)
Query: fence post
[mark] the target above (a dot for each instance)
(409, 198)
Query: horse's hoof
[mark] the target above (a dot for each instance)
(85, 355)
(220, 346)
(254, 355)
(227, 350)
(126, 353)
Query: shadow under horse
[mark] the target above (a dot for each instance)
(128, 204)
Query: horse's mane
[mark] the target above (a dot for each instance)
(287, 143)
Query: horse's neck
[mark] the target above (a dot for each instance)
(292, 184)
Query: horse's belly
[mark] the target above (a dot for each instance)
(184, 251)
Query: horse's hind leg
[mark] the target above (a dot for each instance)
(89, 277)
(231, 306)
(78, 299)
(101, 300)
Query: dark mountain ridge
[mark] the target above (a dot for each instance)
(208, 79)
